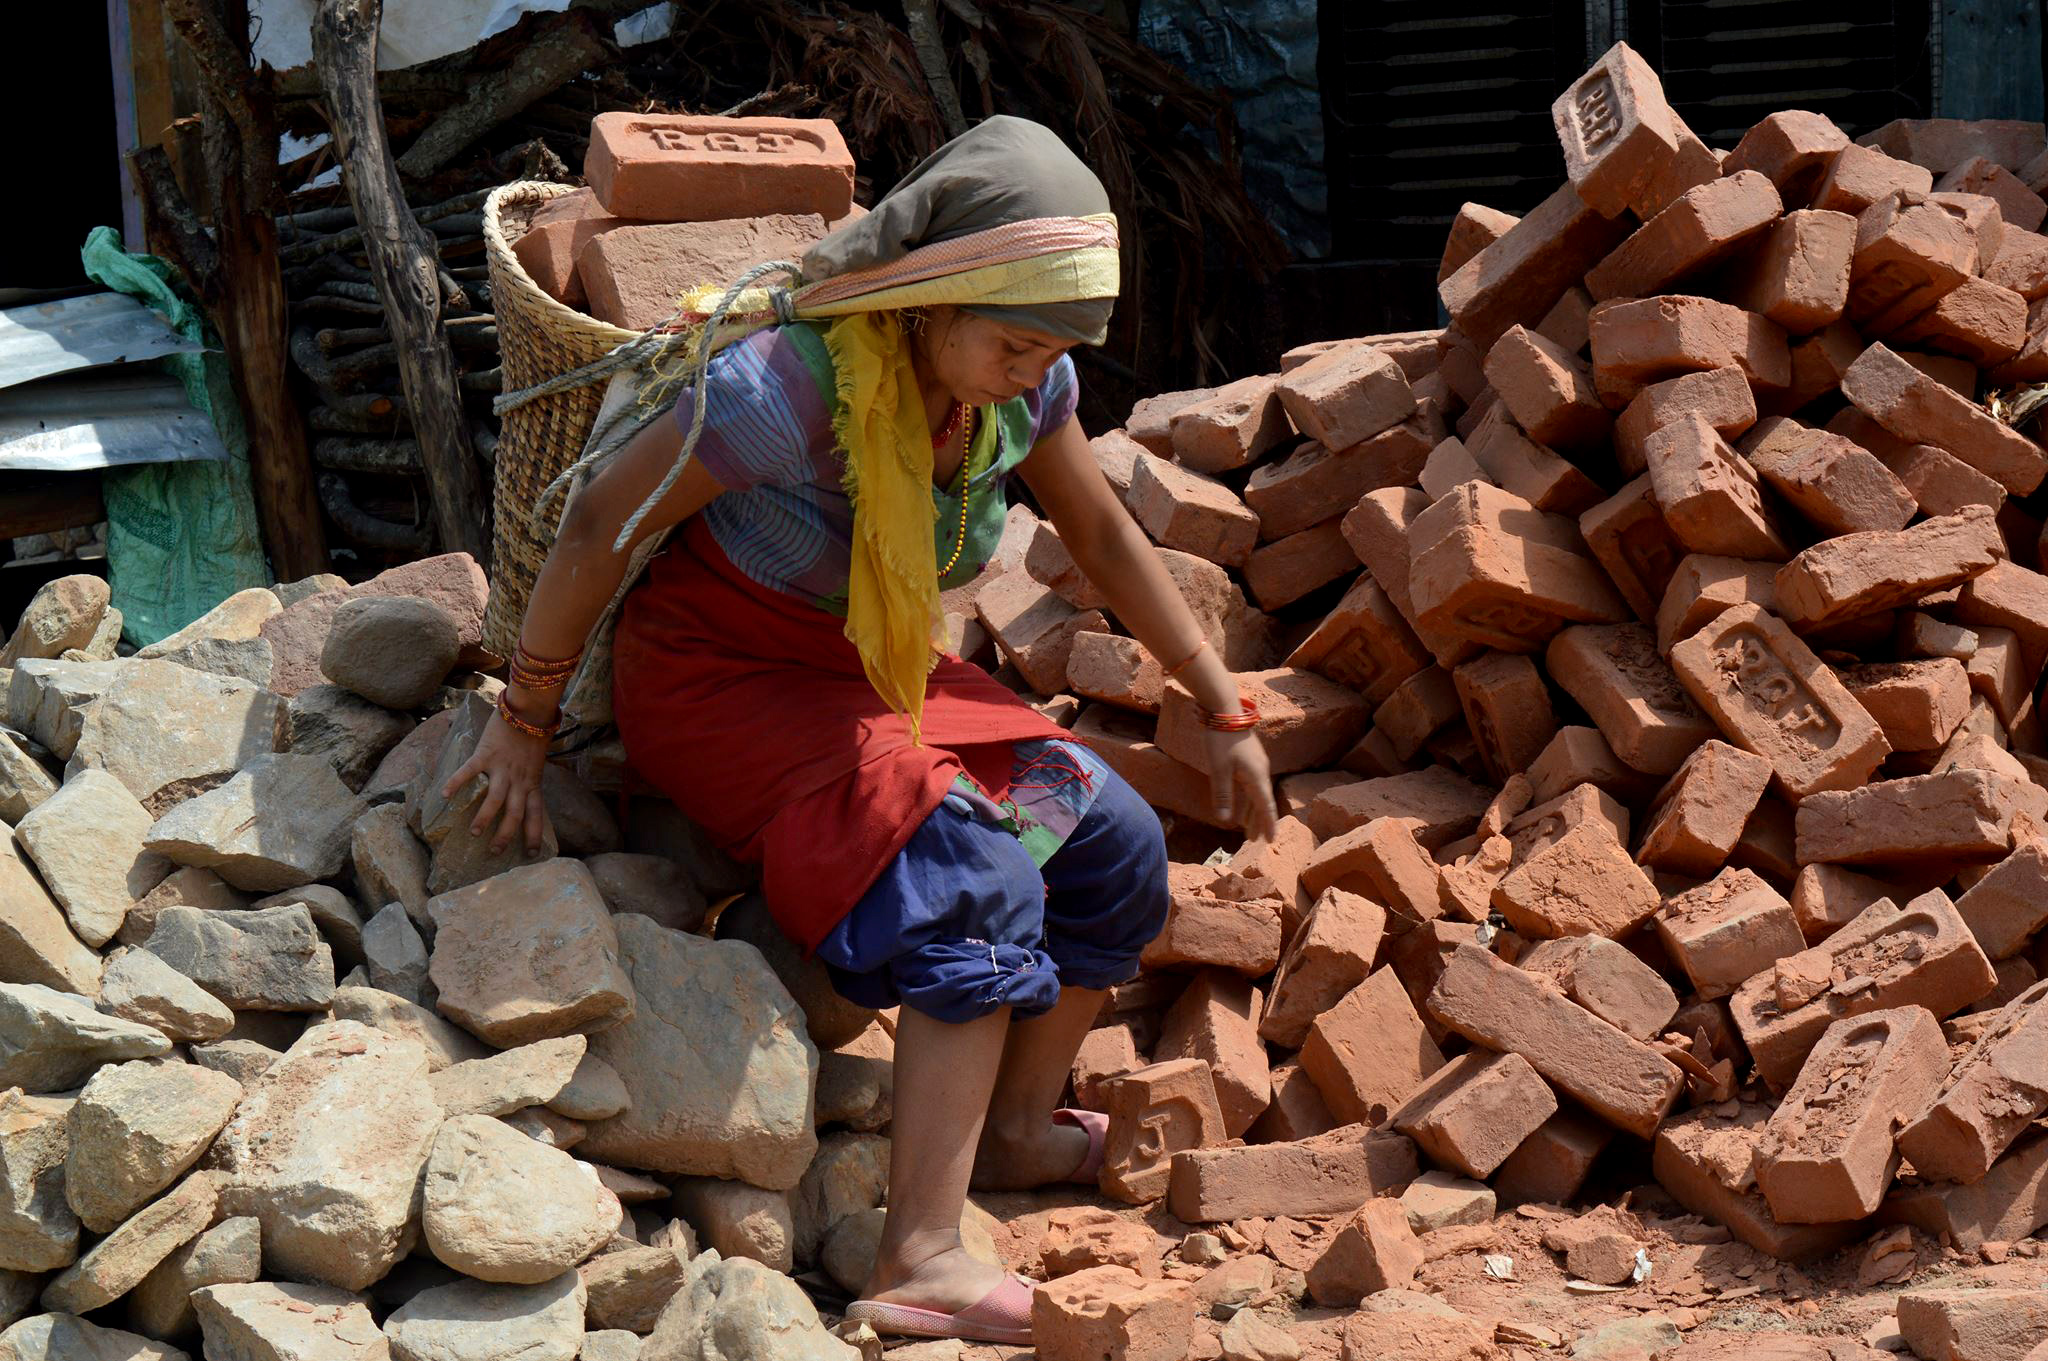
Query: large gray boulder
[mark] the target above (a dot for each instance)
(475, 1321)
(135, 1129)
(392, 650)
(269, 959)
(168, 732)
(37, 944)
(280, 823)
(86, 839)
(53, 1041)
(266, 1321)
(499, 1206)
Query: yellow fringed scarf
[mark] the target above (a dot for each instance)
(892, 596)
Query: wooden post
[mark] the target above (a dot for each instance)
(404, 263)
(234, 269)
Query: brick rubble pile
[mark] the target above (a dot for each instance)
(1650, 664)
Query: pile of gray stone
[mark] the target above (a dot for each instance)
(293, 1063)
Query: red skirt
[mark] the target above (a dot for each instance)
(749, 708)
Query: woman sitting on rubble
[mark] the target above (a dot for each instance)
(923, 831)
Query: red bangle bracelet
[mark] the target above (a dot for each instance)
(544, 731)
(1246, 717)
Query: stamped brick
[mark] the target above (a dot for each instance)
(1487, 566)
(1331, 954)
(1699, 814)
(1154, 1112)
(1721, 396)
(1920, 410)
(1705, 1158)
(1329, 1174)
(1828, 1152)
(1794, 148)
(1507, 707)
(1889, 956)
(1917, 703)
(1518, 278)
(1314, 482)
(1498, 1006)
(1641, 341)
(1770, 695)
(1475, 1111)
(1977, 320)
(1111, 1311)
(1909, 254)
(1346, 396)
(1548, 389)
(1625, 686)
(1711, 497)
(1195, 514)
(1544, 823)
(1999, 1088)
(1857, 574)
(1840, 487)
(1704, 585)
(1305, 720)
(1616, 129)
(1583, 883)
(692, 167)
(1628, 536)
(1216, 1019)
(1725, 931)
(1861, 175)
(1704, 226)
(1364, 643)
(1607, 979)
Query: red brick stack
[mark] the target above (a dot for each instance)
(1673, 766)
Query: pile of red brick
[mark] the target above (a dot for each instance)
(677, 201)
(1672, 769)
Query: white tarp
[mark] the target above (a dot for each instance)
(414, 31)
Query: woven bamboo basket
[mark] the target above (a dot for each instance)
(538, 338)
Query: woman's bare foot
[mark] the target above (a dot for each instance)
(1017, 1160)
(948, 1280)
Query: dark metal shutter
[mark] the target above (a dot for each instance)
(1429, 103)
(1728, 63)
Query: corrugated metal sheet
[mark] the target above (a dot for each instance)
(124, 416)
(82, 333)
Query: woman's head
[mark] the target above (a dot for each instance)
(979, 359)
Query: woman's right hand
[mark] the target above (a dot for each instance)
(511, 763)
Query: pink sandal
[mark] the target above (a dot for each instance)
(1096, 1125)
(1003, 1317)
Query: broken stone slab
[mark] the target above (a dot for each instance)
(353, 734)
(24, 782)
(53, 1041)
(391, 863)
(87, 841)
(445, 1043)
(617, 1344)
(48, 699)
(528, 955)
(740, 1108)
(61, 615)
(498, 1206)
(738, 1220)
(66, 1337)
(281, 822)
(269, 959)
(168, 732)
(38, 1231)
(393, 651)
(629, 1288)
(271, 1321)
(395, 956)
(242, 1060)
(37, 944)
(326, 1150)
(237, 619)
(229, 1253)
(741, 1308)
(332, 911)
(543, 1126)
(136, 1128)
(595, 1091)
(119, 1262)
(531, 1075)
(187, 886)
(139, 987)
(248, 659)
(474, 1321)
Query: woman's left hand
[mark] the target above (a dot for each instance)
(1241, 782)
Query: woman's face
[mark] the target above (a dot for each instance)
(980, 361)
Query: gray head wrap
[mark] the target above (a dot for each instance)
(1001, 170)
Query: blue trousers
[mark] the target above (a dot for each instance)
(962, 922)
